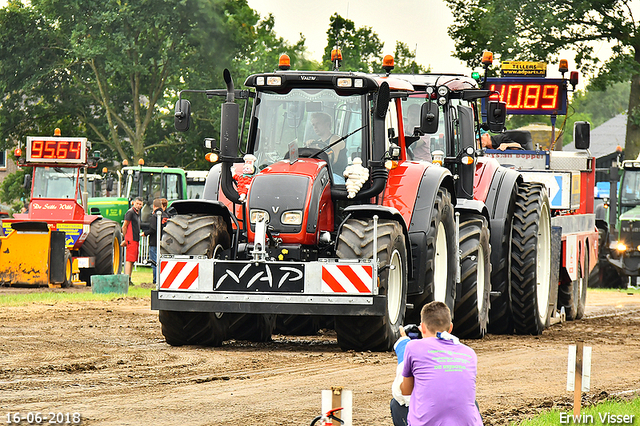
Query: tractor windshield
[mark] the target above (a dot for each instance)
(55, 182)
(630, 190)
(311, 118)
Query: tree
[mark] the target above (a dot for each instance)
(405, 60)
(361, 47)
(110, 69)
(539, 30)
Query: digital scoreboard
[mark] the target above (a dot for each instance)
(56, 150)
(530, 95)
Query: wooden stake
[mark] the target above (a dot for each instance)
(577, 390)
(336, 400)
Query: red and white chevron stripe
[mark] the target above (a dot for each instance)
(349, 279)
(178, 275)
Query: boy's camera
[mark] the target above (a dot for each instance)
(413, 331)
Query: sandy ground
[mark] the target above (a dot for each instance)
(108, 361)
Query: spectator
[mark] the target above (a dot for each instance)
(439, 373)
(131, 232)
(501, 142)
(153, 234)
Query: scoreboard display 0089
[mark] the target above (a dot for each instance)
(530, 95)
(56, 150)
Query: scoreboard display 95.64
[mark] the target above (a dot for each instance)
(56, 150)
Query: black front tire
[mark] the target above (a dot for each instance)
(471, 314)
(194, 235)
(375, 333)
(439, 279)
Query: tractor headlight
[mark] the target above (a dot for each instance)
(293, 217)
(256, 215)
(621, 247)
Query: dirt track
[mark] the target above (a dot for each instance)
(108, 361)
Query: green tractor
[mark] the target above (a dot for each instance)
(147, 183)
(619, 224)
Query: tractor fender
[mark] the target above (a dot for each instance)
(500, 199)
(212, 184)
(383, 212)
(433, 179)
(473, 206)
(202, 206)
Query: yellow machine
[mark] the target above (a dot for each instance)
(56, 243)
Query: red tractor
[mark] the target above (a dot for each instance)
(56, 243)
(307, 242)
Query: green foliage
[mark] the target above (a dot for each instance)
(539, 31)
(111, 70)
(361, 47)
(12, 190)
(405, 60)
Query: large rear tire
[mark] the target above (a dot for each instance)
(439, 279)
(531, 260)
(572, 296)
(472, 303)
(194, 235)
(104, 242)
(375, 333)
(500, 316)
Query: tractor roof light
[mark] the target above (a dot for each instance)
(336, 54)
(475, 75)
(388, 63)
(573, 79)
(105, 170)
(564, 66)
(621, 247)
(141, 162)
(284, 63)
(125, 162)
(487, 58)
(336, 58)
(17, 152)
(57, 132)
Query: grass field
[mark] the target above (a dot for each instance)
(139, 276)
(610, 412)
(633, 290)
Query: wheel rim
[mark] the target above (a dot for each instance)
(67, 271)
(480, 279)
(543, 265)
(115, 254)
(440, 265)
(394, 287)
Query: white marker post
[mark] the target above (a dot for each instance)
(578, 373)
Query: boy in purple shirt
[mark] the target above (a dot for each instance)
(440, 374)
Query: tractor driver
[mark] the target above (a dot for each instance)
(321, 123)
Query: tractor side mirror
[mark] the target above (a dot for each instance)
(26, 183)
(382, 100)
(582, 134)
(182, 115)
(429, 117)
(496, 116)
